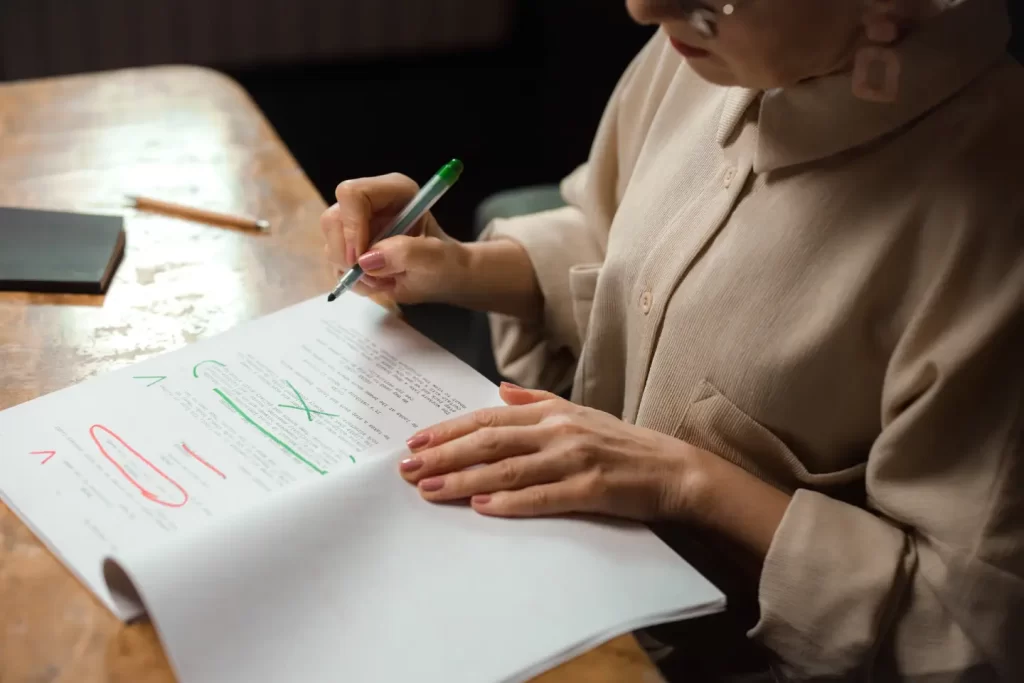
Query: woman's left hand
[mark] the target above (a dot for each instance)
(543, 455)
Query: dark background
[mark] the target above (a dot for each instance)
(519, 114)
(521, 111)
(522, 114)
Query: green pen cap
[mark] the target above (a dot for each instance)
(451, 171)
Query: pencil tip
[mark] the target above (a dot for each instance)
(331, 297)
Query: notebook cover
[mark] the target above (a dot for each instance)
(52, 251)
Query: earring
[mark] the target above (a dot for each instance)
(876, 74)
(876, 70)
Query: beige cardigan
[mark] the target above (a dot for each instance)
(829, 293)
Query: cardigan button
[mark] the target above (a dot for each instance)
(730, 175)
(646, 299)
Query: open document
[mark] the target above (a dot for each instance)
(243, 493)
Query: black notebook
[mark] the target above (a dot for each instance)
(51, 251)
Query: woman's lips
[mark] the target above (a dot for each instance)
(688, 51)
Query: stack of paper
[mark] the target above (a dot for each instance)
(243, 492)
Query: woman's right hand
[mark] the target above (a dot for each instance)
(424, 265)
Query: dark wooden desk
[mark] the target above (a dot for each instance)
(188, 135)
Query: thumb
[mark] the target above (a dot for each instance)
(517, 396)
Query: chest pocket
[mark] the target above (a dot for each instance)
(716, 424)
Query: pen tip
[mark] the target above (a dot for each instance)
(331, 297)
(263, 225)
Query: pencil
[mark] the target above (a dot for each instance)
(200, 215)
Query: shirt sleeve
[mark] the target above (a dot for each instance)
(927, 582)
(541, 352)
(567, 245)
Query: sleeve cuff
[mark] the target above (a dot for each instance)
(541, 352)
(554, 243)
(826, 584)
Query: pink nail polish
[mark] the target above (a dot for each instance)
(418, 441)
(482, 499)
(350, 254)
(431, 485)
(410, 465)
(372, 261)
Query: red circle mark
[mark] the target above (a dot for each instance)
(149, 495)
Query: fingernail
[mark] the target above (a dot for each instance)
(431, 485)
(509, 385)
(372, 261)
(410, 465)
(482, 499)
(418, 441)
(350, 255)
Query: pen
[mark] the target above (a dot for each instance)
(200, 215)
(414, 210)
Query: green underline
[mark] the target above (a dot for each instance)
(270, 436)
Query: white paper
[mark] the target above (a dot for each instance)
(354, 578)
(180, 452)
(243, 491)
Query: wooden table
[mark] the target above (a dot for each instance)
(184, 134)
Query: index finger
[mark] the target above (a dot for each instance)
(362, 199)
(505, 416)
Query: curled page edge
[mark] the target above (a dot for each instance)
(107, 601)
(130, 605)
(128, 602)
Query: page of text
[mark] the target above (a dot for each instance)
(120, 461)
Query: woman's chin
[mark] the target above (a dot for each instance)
(713, 72)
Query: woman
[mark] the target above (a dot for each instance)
(787, 292)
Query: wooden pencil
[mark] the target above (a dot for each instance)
(196, 214)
